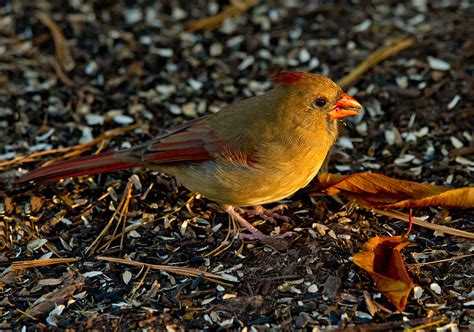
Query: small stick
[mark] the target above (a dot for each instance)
(140, 283)
(424, 326)
(119, 208)
(63, 55)
(375, 58)
(425, 224)
(190, 272)
(232, 230)
(236, 8)
(441, 260)
(20, 265)
(394, 325)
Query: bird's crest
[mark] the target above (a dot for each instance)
(288, 78)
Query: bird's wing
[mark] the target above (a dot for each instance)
(193, 141)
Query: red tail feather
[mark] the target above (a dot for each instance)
(102, 163)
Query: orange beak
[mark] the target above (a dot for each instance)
(345, 106)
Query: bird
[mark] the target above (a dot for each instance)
(255, 151)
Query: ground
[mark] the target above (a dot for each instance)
(136, 66)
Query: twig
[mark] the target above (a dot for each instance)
(69, 82)
(419, 222)
(394, 325)
(373, 59)
(232, 234)
(424, 326)
(63, 76)
(123, 215)
(63, 55)
(236, 8)
(441, 260)
(185, 271)
(120, 208)
(130, 228)
(140, 283)
(20, 265)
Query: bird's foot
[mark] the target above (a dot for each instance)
(268, 214)
(277, 241)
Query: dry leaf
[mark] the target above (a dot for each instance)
(381, 258)
(377, 190)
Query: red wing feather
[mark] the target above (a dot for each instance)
(191, 142)
(194, 141)
(169, 156)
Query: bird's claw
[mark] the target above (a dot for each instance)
(276, 241)
(268, 214)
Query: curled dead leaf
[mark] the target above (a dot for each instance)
(380, 191)
(381, 258)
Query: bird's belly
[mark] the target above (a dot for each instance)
(244, 185)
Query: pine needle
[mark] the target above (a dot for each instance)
(443, 229)
(185, 271)
(20, 265)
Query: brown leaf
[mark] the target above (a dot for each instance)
(381, 258)
(377, 190)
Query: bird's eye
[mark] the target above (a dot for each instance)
(320, 102)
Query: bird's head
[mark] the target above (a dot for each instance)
(316, 95)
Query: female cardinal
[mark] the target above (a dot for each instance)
(255, 151)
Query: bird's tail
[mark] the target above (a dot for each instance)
(102, 163)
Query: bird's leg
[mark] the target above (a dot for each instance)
(255, 233)
(268, 214)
